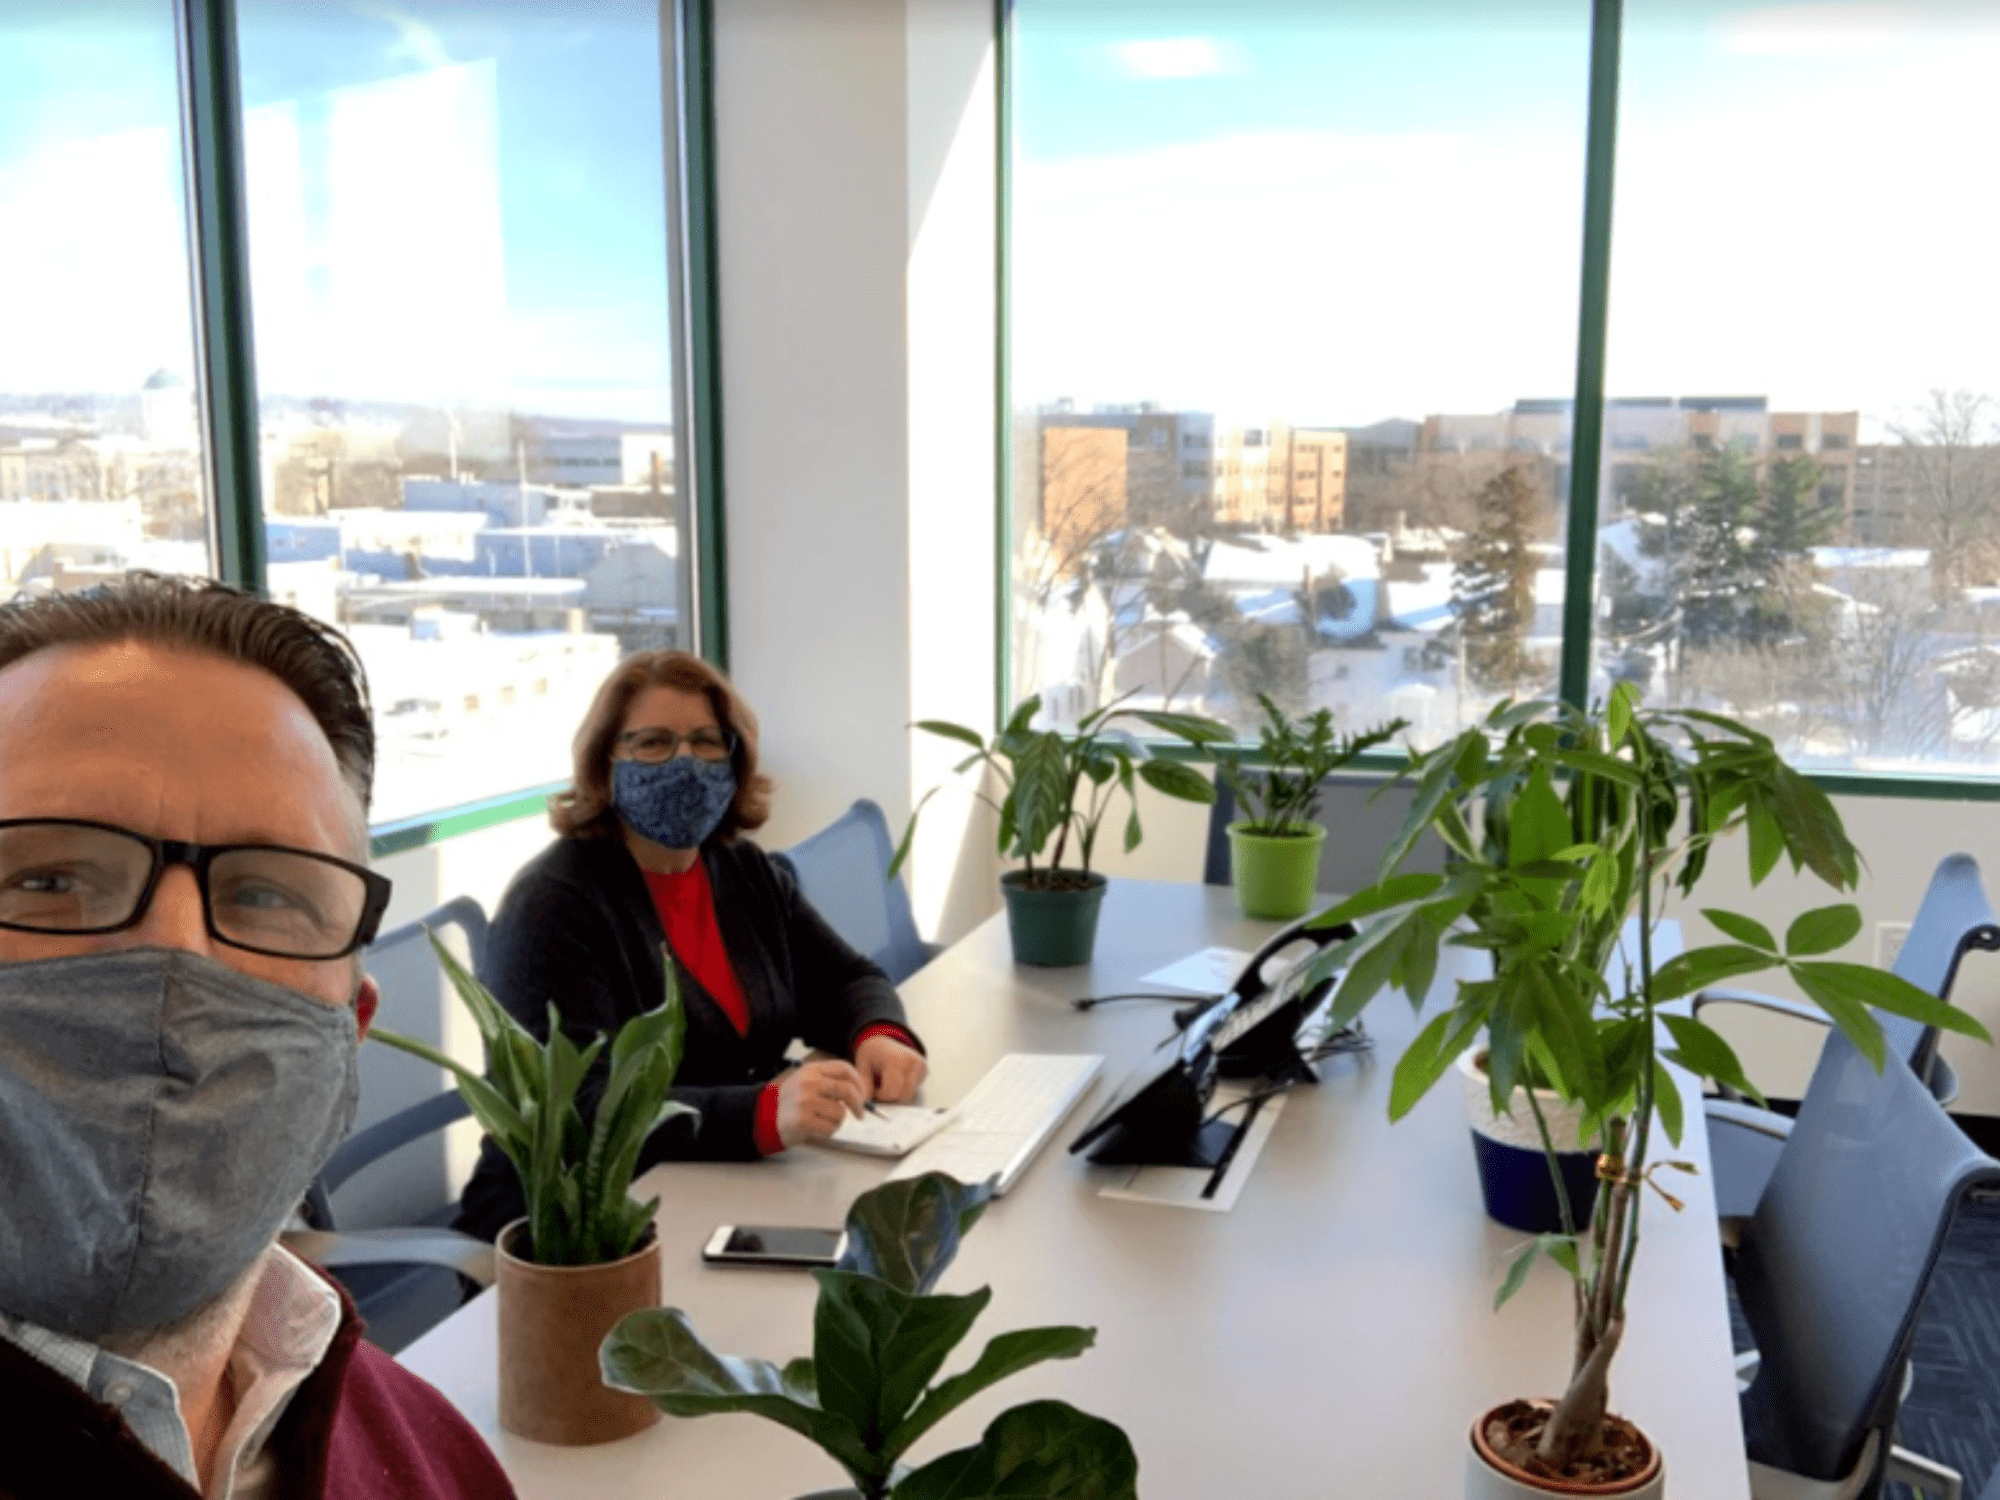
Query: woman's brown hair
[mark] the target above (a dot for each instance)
(584, 811)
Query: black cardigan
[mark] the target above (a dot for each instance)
(578, 927)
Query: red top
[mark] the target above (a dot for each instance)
(686, 905)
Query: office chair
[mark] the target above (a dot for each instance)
(1831, 1274)
(402, 1279)
(1359, 825)
(1954, 918)
(843, 870)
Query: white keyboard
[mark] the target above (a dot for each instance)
(1006, 1119)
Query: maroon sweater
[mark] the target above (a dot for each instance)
(360, 1427)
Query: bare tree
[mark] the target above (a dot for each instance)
(1949, 481)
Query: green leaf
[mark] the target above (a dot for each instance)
(1539, 825)
(1812, 828)
(1173, 779)
(657, 1354)
(1043, 1450)
(1703, 1051)
(905, 1233)
(1667, 1101)
(1861, 985)
(1190, 727)
(952, 732)
(1618, 712)
(1756, 934)
(1822, 930)
(1563, 1018)
(1397, 890)
(1008, 1354)
(1850, 1014)
(1424, 1062)
(1767, 840)
(1698, 968)
(875, 1348)
(1559, 1248)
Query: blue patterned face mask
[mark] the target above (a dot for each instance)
(677, 802)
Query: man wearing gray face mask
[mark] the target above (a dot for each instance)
(184, 779)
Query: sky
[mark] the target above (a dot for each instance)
(1329, 211)
(449, 200)
(1337, 213)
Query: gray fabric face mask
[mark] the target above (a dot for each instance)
(160, 1116)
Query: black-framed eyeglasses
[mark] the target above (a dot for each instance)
(66, 875)
(653, 746)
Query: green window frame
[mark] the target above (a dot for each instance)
(1600, 167)
(226, 384)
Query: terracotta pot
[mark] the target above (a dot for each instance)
(552, 1319)
(1490, 1477)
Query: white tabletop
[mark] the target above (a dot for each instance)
(1332, 1335)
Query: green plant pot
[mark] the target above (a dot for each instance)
(1274, 878)
(1052, 929)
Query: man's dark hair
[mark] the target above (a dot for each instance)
(198, 614)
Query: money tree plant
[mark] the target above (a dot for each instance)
(1562, 826)
(880, 1338)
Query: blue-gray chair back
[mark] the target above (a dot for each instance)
(1953, 918)
(1834, 1265)
(402, 1281)
(843, 870)
(1360, 815)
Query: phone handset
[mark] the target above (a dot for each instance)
(1250, 983)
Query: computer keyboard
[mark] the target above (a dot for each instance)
(1006, 1119)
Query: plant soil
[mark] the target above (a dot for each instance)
(1511, 1432)
(1058, 880)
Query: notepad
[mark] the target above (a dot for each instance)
(896, 1131)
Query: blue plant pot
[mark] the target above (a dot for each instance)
(1513, 1171)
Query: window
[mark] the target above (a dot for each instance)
(458, 225)
(1853, 618)
(1144, 136)
(101, 459)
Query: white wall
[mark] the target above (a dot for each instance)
(855, 201)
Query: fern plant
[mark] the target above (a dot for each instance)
(575, 1174)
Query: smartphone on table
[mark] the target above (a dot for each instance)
(773, 1245)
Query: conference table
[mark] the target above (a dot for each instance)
(1332, 1334)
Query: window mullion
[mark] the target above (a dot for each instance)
(219, 259)
(1587, 416)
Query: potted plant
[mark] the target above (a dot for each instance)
(1274, 846)
(880, 1336)
(586, 1254)
(1059, 787)
(1545, 880)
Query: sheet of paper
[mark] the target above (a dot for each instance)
(1209, 972)
(1182, 1187)
(896, 1130)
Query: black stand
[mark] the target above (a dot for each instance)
(1207, 1147)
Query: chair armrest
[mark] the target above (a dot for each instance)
(1798, 1010)
(1748, 1117)
(1723, 995)
(336, 1250)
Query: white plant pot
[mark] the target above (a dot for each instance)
(1513, 1172)
(1484, 1480)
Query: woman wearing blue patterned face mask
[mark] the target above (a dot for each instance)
(651, 854)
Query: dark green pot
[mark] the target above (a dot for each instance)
(1052, 929)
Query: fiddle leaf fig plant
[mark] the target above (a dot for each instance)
(880, 1338)
(1060, 786)
(575, 1176)
(1562, 826)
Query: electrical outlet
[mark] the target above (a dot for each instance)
(1889, 938)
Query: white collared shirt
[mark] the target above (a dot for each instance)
(292, 1318)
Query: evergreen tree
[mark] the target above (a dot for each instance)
(1493, 583)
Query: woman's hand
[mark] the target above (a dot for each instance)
(815, 1097)
(891, 1071)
